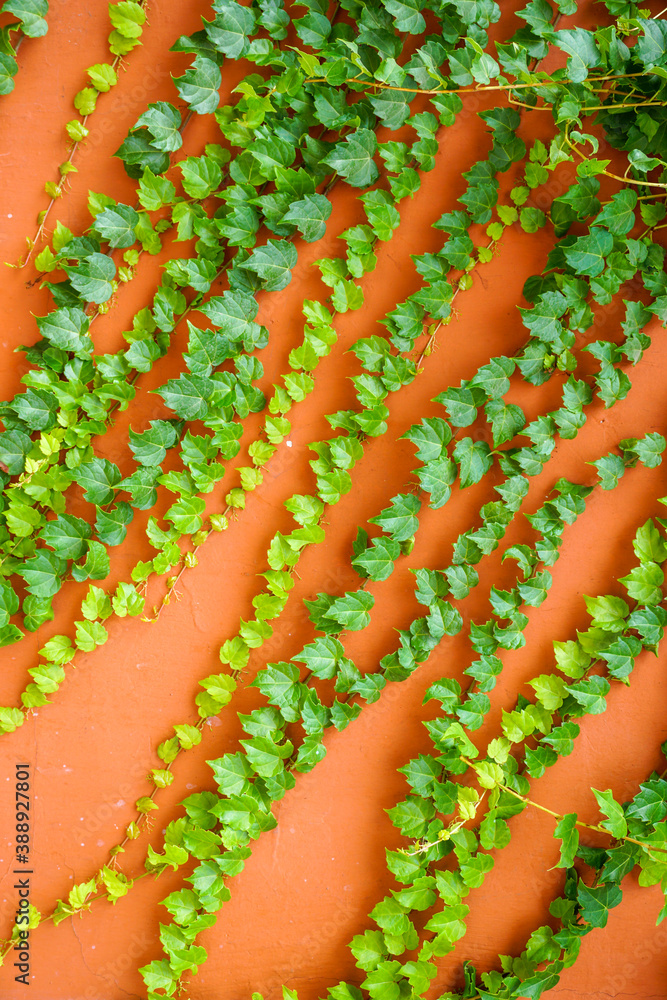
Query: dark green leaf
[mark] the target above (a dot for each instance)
(353, 158)
(474, 459)
(587, 254)
(116, 225)
(163, 122)
(92, 277)
(595, 903)
(200, 84)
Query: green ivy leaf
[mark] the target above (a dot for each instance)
(322, 656)
(494, 833)
(92, 277)
(103, 77)
(381, 982)
(587, 255)
(98, 479)
(430, 437)
(230, 30)
(436, 299)
(43, 572)
(37, 408)
(534, 986)
(186, 514)
(400, 520)
(474, 459)
(377, 561)
(406, 16)
(111, 525)
(591, 694)
(507, 419)
(127, 17)
(620, 862)
(562, 738)
(649, 449)
(14, 446)
(480, 199)
(96, 604)
(543, 320)
(201, 176)
(620, 656)
(649, 804)
(618, 215)
(90, 635)
(273, 264)
(31, 13)
(309, 215)
(581, 47)
(567, 831)
(9, 603)
(8, 70)
(266, 757)
(436, 477)
(163, 122)
(150, 446)
(550, 690)
(443, 619)
(353, 158)
(126, 600)
(187, 396)
(649, 544)
(610, 470)
(352, 611)
(116, 225)
(595, 903)
(154, 191)
(199, 86)
(278, 682)
(615, 821)
(67, 535)
(652, 45)
(346, 295)
(462, 403)
(644, 583)
(138, 154)
(391, 106)
(608, 613)
(368, 949)
(67, 329)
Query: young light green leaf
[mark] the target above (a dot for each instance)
(566, 829)
(615, 821)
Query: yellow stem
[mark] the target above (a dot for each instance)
(482, 88)
(596, 828)
(615, 177)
